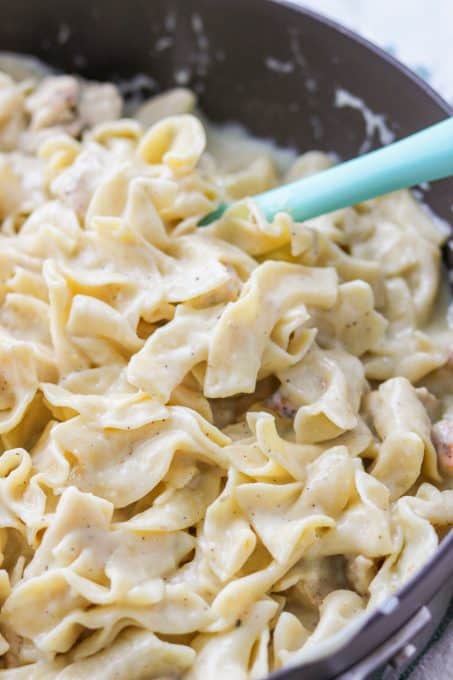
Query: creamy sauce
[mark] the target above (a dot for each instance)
(374, 122)
(233, 147)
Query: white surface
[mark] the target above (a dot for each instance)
(420, 34)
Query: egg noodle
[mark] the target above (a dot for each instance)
(221, 447)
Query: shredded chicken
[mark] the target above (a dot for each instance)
(65, 101)
(54, 102)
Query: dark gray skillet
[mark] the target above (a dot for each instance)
(275, 68)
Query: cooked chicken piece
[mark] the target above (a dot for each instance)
(442, 436)
(53, 102)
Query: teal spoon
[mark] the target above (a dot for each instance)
(422, 157)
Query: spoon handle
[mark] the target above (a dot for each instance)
(422, 157)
